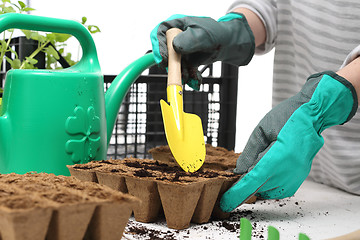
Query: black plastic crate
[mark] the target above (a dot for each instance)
(139, 126)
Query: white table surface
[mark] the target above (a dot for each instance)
(317, 210)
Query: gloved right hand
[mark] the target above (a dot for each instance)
(279, 154)
(204, 41)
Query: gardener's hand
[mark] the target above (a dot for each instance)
(279, 153)
(204, 41)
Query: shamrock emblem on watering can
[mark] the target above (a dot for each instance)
(84, 127)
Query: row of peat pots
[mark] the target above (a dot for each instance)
(97, 201)
(163, 188)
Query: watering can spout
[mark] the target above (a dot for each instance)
(120, 86)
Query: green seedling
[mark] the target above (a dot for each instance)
(273, 233)
(52, 44)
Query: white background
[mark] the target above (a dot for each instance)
(125, 30)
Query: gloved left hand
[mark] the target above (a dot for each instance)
(278, 156)
(204, 41)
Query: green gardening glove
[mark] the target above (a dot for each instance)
(278, 156)
(204, 41)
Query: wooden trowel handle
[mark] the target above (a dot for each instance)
(174, 59)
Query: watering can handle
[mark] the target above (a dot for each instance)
(46, 24)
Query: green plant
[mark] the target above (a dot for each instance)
(52, 44)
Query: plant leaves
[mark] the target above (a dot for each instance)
(51, 51)
(69, 60)
(3, 45)
(50, 36)
(31, 60)
(28, 65)
(28, 9)
(83, 20)
(27, 33)
(22, 4)
(58, 37)
(58, 40)
(9, 60)
(51, 59)
(35, 36)
(10, 49)
(41, 38)
(61, 50)
(17, 6)
(15, 64)
(62, 37)
(93, 29)
(8, 9)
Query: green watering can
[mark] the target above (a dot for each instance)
(53, 118)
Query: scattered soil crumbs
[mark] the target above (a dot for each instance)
(232, 227)
(142, 232)
(220, 229)
(135, 230)
(223, 228)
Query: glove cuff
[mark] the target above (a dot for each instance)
(231, 16)
(243, 40)
(347, 84)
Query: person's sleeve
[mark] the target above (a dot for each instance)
(267, 12)
(351, 56)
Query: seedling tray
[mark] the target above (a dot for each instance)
(45, 206)
(162, 187)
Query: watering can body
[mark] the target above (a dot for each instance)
(50, 119)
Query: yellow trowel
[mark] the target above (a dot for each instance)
(184, 132)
